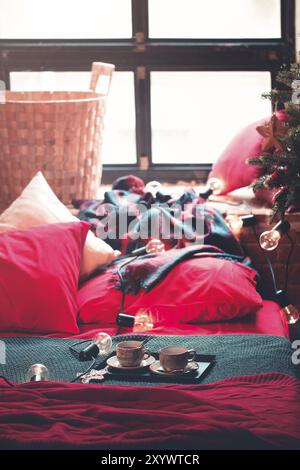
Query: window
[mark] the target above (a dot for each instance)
(212, 19)
(194, 113)
(189, 74)
(62, 19)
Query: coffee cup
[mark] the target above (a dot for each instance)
(131, 353)
(175, 358)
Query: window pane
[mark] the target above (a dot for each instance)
(65, 19)
(119, 140)
(119, 135)
(214, 19)
(195, 114)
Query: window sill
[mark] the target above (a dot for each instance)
(163, 173)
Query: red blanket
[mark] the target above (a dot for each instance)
(258, 411)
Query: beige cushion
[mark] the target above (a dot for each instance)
(38, 205)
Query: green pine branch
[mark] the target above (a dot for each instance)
(281, 169)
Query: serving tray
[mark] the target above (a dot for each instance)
(204, 361)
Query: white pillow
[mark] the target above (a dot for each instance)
(38, 205)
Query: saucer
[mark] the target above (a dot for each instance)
(113, 362)
(191, 368)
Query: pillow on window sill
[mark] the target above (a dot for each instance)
(38, 205)
(39, 271)
(231, 167)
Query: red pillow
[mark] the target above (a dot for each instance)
(39, 271)
(196, 291)
(99, 300)
(231, 167)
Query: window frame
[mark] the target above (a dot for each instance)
(141, 55)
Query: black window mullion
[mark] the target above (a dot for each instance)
(140, 17)
(288, 28)
(5, 76)
(141, 80)
(143, 119)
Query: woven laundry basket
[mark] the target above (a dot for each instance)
(59, 133)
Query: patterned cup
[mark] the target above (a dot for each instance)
(131, 353)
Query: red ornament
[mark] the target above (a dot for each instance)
(280, 172)
(274, 175)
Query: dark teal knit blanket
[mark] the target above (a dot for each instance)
(235, 355)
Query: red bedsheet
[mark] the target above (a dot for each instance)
(267, 320)
(242, 412)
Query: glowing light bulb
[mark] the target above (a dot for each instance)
(143, 321)
(269, 240)
(292, 314)
(216, 185)
(104, 343)
(101, 344)
(155, 246)
(37, 373)
(235, 224)
(153, 187)
(287, 308)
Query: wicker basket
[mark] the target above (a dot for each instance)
(59, 133)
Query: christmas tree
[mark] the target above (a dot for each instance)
(280, 156)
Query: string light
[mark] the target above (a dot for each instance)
(235, 224)
(142, 321)
(37, 373)
(101, 344)
(214, 186)
(153, 187)
(270, 239)
(287, 307)
(153, 246)
(292, 314)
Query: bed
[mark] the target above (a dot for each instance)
(255, 407)
(248, 400)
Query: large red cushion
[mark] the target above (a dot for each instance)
(39, 271)
(196, 291)
(231, 167)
